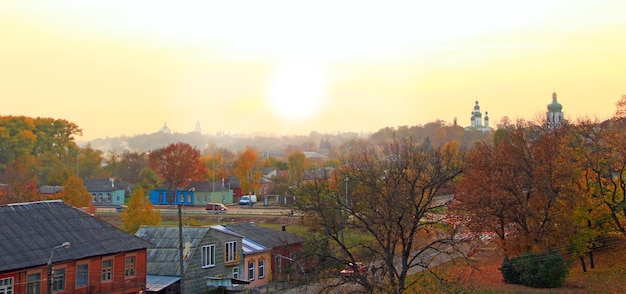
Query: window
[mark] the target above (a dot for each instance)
(261, 269)
(33, 285)
(107, 270)
(236, 272)
(129, 266)
(6, 286)
(82, 275)
(231, 251)
(58, 280)
(162, 198)
(99, 197)
(208, 255)
(250, 271)
(182, 198)
(188, 198)
(93, 197)
(109, 197)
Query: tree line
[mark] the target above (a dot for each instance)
(536, 188)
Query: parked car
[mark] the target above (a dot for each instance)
(219, 207)
(121, 208)
(247, 200)
(348, 272)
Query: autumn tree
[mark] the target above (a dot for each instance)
(297, 165)
(20, 175)
(49, 141)
(217, 165)
(127, 165)
(75, 194)
(148, 179)
(384, 220)
(521, 188)
(603, 159)
(621, 107)
(177, 164)
(139, 212)
(247, 171)
(89, 163)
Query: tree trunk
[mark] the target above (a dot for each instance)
(582, 263)
(591, 263)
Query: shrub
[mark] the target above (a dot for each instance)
(544, 270)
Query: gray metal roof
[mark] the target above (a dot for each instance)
(30, 230)
(105, 184)
(248, 246)
(265, 236)
(163, 258)
(156, 283)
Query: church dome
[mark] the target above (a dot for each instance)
(554, 106)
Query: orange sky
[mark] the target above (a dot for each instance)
(291, 67)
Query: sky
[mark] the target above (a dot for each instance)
(124, 68)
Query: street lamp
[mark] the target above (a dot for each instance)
(180, 241)
(64, 245)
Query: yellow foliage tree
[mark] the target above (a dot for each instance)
(75, 194)
(139, 212)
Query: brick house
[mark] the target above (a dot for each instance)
(212, 258)
(100, 258)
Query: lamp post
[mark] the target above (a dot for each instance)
(180, 241)
(64, 245)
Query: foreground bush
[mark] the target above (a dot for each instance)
(544, 270)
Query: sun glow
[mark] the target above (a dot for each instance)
(297, 90)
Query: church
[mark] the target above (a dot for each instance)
(554, 116)
(477, 121)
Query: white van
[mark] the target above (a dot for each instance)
(247, 200)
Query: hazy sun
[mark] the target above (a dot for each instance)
(297, 90)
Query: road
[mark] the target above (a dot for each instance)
(232, 209)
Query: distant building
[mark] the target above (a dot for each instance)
(554, 116)
(165, 129)
(476, 120)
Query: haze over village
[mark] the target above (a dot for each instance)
(312, 146)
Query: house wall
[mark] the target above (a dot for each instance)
(224, 197)
(258, 280)
(107, 198)
(119, 284)
(158, 196)
(281, 266)
(195, 275)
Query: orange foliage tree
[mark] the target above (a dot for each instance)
(521, 188)
(177, 164)
(247, 171)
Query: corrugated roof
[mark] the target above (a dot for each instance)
(248, 246)
(155, 283)
(105, 184)
(163, 257)
(30, 230)
(265, 236)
